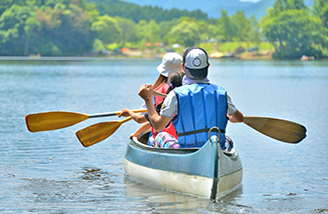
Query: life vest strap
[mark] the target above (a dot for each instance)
(199, 131)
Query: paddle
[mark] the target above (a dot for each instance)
(282, 130)
(47, 121)
(53, 120)
(98, 132)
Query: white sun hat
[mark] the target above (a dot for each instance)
(171, 62)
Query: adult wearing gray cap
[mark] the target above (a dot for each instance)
(196, 106)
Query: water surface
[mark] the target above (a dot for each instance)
(51, 172)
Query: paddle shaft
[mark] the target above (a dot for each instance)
(108, 114)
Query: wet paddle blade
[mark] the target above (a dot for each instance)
(47, 121)
(282, 130)
(98, 132)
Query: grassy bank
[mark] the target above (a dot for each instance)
(265, 49)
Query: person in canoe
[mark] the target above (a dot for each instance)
(195, 107)
(167, 138)
(171, 62)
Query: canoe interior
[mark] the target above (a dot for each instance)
(142, 142)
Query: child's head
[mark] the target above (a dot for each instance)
(174, 80)
(171, 63)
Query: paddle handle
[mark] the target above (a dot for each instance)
(159, 94)
(108, 114)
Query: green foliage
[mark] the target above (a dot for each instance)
(54, 28)
(98, 45)
(153, 32)
(166, 27)
(243, 26)
(293, 31)
(227, 28)
(5, 4)
(77, 27)
(255, 35)
(136, 13)
(186, 33)
(106, 29)
(128, 30)
(16, 29)
(320, 9)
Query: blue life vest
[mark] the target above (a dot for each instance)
(200, 107)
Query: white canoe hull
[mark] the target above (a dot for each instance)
(196, 173)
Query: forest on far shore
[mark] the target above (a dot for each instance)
(82, 28)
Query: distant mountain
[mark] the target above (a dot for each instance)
(212, 7)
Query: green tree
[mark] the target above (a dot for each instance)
(320, 9)
(255, 35)
(128, 30)
(65, 28)
(153, 33)
(142, 28)
(32, 25)
(283, 5)
(106, 29)
(166, 27)
(148, 32)
(186, 33)
(137, 13)
(98, 45)
(293, 32)
(205, 30)
(17, 24)
(243, 26)
(227, 28)
(5, 4)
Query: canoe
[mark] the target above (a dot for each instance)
(206, 172)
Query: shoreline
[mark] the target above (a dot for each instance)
(244, 56)
(79, 58)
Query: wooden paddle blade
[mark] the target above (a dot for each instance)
(47, 121)
(98, 132)
(282, 130)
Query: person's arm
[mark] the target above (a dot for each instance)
(144, 127)
(237, 117)
(234, 115)
(159, 122)
(139, 118)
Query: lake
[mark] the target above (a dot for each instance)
(51, 172)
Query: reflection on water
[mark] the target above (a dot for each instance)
(51, 172)
(167, 202)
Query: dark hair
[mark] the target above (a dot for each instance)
(174, 80)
